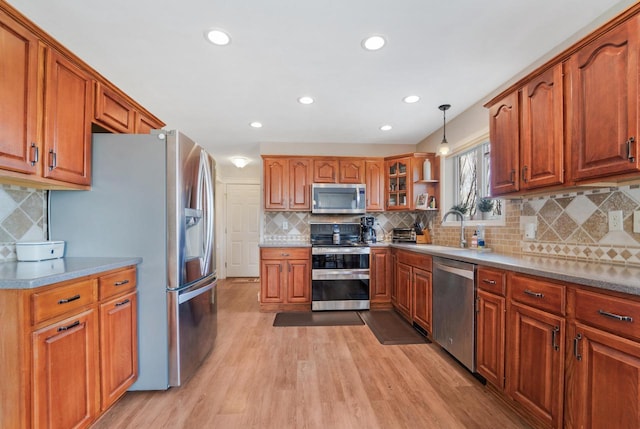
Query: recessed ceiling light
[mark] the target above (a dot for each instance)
(386, 127)
(373, 43)
(256, 124)
(217, 37)
(411, 99)
(305, 100)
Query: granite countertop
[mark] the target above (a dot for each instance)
(617, 278)
(28, 275)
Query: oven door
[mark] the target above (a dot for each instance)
(340, 290)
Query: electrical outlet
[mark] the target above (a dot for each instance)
(636, 221)
(615, 220)
(285, 225)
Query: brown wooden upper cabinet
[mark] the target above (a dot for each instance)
(19, 148)
(542, 133)
(526, 133)
(575, 119)
(67, 112)
(337, 170)
(113, 112)
(374, 180)
(287, 183)
(404, 180)
(602, 78)
(351, 171)
(505, 144)
(47, 97)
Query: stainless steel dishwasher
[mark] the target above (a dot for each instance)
(454, 317)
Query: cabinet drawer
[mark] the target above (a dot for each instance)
(415, 260)
(285, 253)
(491, 280)
(616, 315)
(63, 299)
(116, 283)
(538, 293)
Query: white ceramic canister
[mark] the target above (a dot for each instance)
(426, 170)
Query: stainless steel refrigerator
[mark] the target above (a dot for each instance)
(152, 196)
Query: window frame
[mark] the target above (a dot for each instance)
(449, 182)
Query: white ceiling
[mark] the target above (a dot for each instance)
(452, 51)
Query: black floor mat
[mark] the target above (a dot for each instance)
(318, 318)
(391, 329)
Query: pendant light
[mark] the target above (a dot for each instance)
(444, 145)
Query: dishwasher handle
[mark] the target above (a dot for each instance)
(468, 274)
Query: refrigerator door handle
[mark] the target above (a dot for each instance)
(207, 207)
(189, 295)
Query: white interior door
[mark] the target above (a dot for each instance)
(243, 220)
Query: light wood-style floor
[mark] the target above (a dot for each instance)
(263, 377)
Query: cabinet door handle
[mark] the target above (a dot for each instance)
(489, 282)
(534, 294)
(284, 254)
(513, 176)
(554, 335)
(126, 301)
(66, 300)
(576, 345)
(36, 153)
(615, 316)
(630, 157)
(53, 161)
(524, 174)
(121, 282)
(66, 328)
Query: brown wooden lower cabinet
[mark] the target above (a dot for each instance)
(603, 380)
(421, 299)
(65, 373)
(490, 339)
(535, 349)
(380, 279)
(403, 290)
(285, 279)
(118, 347)
(78, 352)
(411, 292)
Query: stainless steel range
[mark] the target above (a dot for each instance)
(340, 267)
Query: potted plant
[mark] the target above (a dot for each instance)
(485, 205)
(462, 208)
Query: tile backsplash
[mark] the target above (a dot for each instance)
(576, 225)
(298, 223)
(23, 213)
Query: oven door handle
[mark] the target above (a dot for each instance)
(357, 274)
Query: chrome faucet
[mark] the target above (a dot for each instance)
(463, 242)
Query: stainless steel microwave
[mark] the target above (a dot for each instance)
(338, 198)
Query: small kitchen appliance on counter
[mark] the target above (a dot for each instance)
(367, 229)
(39, 250)
(403, 235)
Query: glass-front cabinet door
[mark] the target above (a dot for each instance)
(398, 184)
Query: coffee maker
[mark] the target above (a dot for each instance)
(367, 229)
